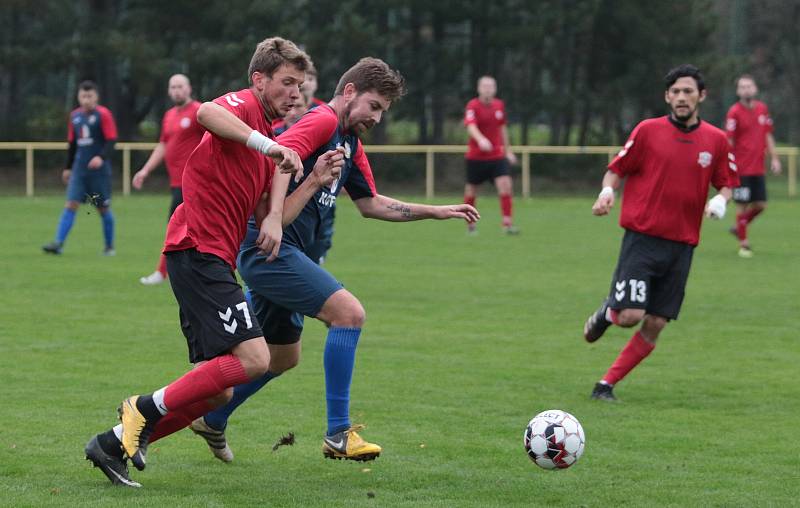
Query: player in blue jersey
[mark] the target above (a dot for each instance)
(292, 286)
(91, 136)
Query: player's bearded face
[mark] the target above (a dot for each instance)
(280, 92)
(683, 98)
(365, 110)
(88, 99)
(179, 92)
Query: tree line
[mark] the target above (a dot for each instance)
(582, 71)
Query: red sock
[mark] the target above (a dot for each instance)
(204, 382)
(469, 200)
(174, 421)
(505, 208)
(634, 352)
(752, 213)
(741, 226)
(162, 265)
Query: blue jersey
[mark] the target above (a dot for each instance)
(90, 131)
(317, 132)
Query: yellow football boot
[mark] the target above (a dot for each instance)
(136, 432)
(348, 445)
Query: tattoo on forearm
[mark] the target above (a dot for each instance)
(404, 210)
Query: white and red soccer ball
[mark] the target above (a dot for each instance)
(554, 439)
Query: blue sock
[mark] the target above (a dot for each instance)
(248, 296)
(108, 228)
(218, 418)
(65, 224)
(339, 360)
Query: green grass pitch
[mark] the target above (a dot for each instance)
(466, 339)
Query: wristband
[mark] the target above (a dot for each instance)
(260, 142)
(607, 191)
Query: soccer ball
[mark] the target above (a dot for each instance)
(554, 439)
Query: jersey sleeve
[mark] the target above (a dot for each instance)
(360, 182)
(107, 124)
(163, 137)
(731, 123)
(628, 160)
(311, 132)
(725, 171)
(237, 105)
(767, 121)
(469, 114)
(501, 107)
(70, 130)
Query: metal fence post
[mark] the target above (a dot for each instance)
(126, 171)
(429, 173)
(526, 174)
(29, 170)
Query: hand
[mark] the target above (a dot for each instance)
(138, 179)
(511, 158)
(462, 211)
(716, 206)
(286, 160)
(485, 145)
(603, 204)
(95, 162)
(269, 236)
(328, 167)
(775, 165)
(65, 176)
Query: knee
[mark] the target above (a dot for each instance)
(255, 362)
(629, 317)
(280, 363)
(652, 326)
(350, 314)
(221, 399)
(72, 205)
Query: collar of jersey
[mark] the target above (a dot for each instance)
(682, 126)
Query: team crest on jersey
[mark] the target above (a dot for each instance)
(185, 122)
(498, 114)
(346, 149)
(704, 159)
(730, 124)
(92, 120)
(763, 119)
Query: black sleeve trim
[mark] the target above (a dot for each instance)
(108, 149)
(73, 147)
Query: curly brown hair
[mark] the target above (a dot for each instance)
(373, 74)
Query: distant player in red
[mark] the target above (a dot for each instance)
(668, 164)
(224, 179)
(180, 134)
(489, 153)
(749, 128)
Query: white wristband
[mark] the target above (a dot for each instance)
(260, 142)
(607, 191)
(717, 206)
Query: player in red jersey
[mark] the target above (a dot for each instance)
(180, 134)
(749, 128)
(489, 152)
(224, 179)
(668, 164)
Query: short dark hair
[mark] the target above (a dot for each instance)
(685, 71)
(373, 74)
(87, 85)
(273, 52)
(745, 76)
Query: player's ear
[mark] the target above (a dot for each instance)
(349, 91)
(702, 95)
(666, 95)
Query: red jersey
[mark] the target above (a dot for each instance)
(747, 130)
(180, 133)
(668, 170)
(222, 183)
(490, 119)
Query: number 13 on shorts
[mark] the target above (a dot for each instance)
(637, 290)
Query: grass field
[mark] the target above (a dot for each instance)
(466, 339)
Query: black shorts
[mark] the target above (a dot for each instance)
(177, 199)
(480, 171)
(750, 189)
(213, 311)
(651, 274)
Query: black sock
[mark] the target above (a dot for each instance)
(110, 444)
(148, 408)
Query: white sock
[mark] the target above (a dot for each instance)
(158, 399)
(118, 431)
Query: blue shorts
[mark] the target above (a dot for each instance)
(93, 185)
(285, 290)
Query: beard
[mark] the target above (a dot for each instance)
(684, 116)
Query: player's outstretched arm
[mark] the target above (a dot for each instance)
(225, 124)
(605, 200)
(152, 163)
(390, 209)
